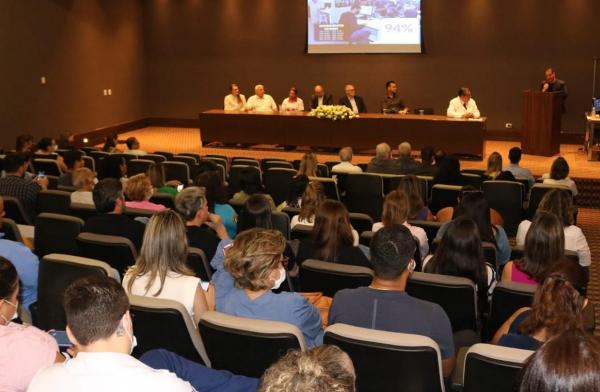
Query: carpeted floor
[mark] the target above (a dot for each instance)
(589, 220)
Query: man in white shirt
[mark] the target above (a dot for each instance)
(261, 102)
(346, 166)
(463, 106)
(133, 146)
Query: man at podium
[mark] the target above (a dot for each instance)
(553, 84)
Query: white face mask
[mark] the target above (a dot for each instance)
(133, 340)
(280, 280)
(15, 315)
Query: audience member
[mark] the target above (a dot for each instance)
(66, 141)
(405, 162)
(234, 102)
(411, 185)
(514, 156)
(439, 157)
(311, 200)
(323, 368)
(100, 327)
(395, 212)
(161, 270)
(560, 203)
(445, 214)
(204, 229)
(139, 190)
(248, 270)
(25, 350)
(427, 167)
(216, 195)
(14, 185)
(333, 239)
(110, 203)
(24, 144)
(308, 165)
(133, 146)
(83, 181)
(559, 175)
(297, 188)
(156, 174)
(113, 166)
(73, 160)
(385, 305)
(557, 307)
(292, 103)
(261, 102)
(569, 362)
(448, 172)
(473, 205)
(345, 165)
(544, 245)
(382, 162)
(47, 147)
(251, 184)
(110, 144)
(494, 169)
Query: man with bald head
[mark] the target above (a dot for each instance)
(261, 102)
(346, 166)
(320, 98)
(382, 162)
(353, 101)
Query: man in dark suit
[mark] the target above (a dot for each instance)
(553, 84)
(320, 98)
(353, 101)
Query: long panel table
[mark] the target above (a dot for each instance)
(455, 136)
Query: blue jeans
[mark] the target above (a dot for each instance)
(202, 378)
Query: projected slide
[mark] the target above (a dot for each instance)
(364, 26)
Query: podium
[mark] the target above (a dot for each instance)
(542, 114)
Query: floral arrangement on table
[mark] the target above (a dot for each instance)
(333, 112)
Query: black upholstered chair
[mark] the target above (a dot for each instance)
(364, 194)
(329, 278)
(118, 252)
(56, 233)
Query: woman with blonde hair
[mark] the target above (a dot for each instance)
(139, 190)
(161, 270)
(248, 270)
(312, 198)
(308, 165)
(494, 169)
(83, 180)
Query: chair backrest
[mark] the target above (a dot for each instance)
(431, 229)
(55, 201)
(457, 296)
(156, 158)
(118, 252)
(490, 253)
(245, 161)
(300, 232)
(471, 179)
(89, 162)
(489, 367)
(11, 230)
(199, 263)
(518, 251)
(138, 166)
(190, 161)
(218, 159)
(506, 197)
(177, 171)
(507, 298)
(329, 278)
(330, 188)
(536, 194)
(389, 361)
(56, 233)
(235, 176)
(98, 155)
(277, 183)
(444, 196)
(364, 193)
(166, 154)
(15, 211)
(138, 212)
(82, 211)
(56, 273)
(246, 346)
(281, 222)
(127, 157)
(165, 199)
(152, 317)
(194, 155)
(280, 164)
(322, 170)
(360, 222)
(47, 166)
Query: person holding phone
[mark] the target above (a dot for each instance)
(25, 349)
(14, 184)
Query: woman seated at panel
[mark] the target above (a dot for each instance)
(494, 169)
(84, 180)
(445, 214)
(311, 200)
(251, 184)
(395, 211)
(474, 206)
(292, 103)
(558, 306)
(216, 195)
(234, 102)
(560, 203)
(161, 270)
(333, 239)
(544, 245)
(559, 175)
(247, 271)
(139, 190)
(411, 185)
(25, 349)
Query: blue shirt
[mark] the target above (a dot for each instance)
(27, 265)
(227, 214)
(287, 307)
(515, 339)
(521, 172)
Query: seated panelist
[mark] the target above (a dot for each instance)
(292, 103)
(320, 98)
(261, 102)
(234, 102)
(353, 101)
(463, 106)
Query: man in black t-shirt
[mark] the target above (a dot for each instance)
(385, 305)
(553, 84)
